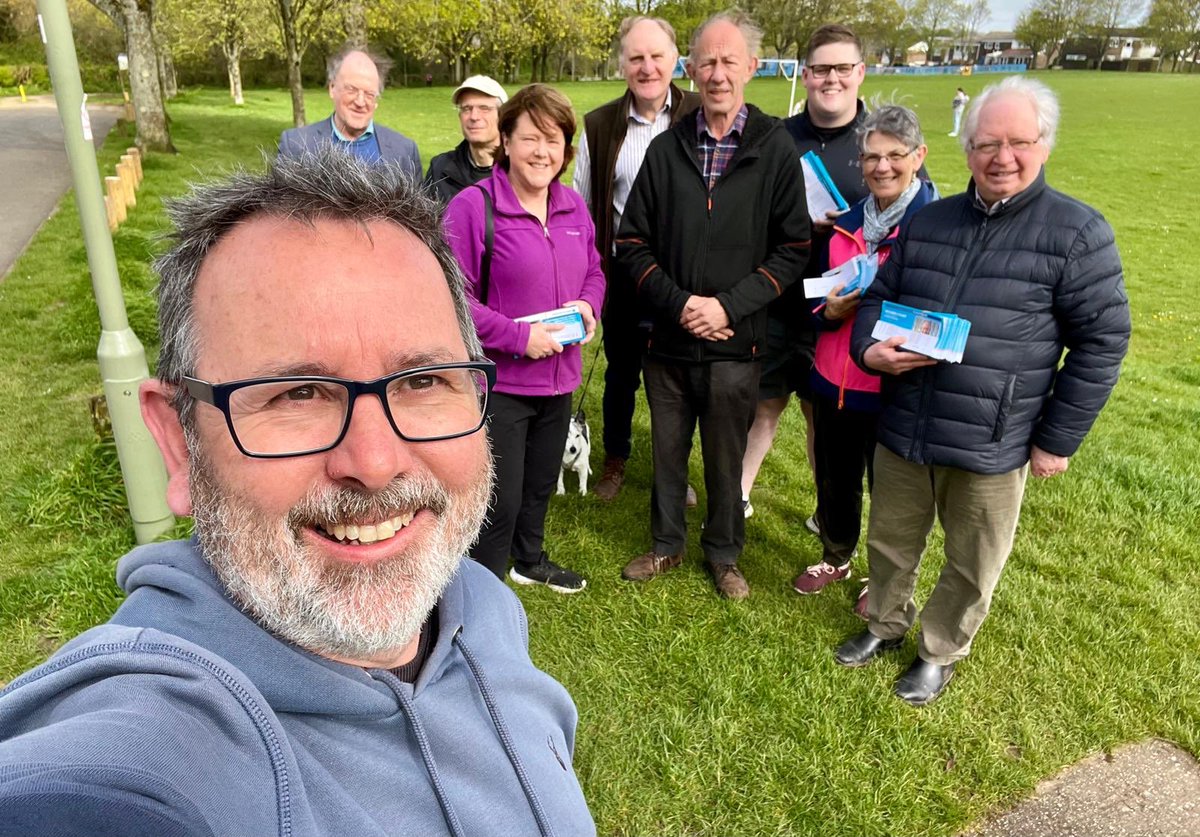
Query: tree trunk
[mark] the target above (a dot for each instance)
(152, 131)
(166, 74)
(233, 65)
(291, 44)
(354, 21)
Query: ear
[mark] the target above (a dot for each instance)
(753, 66)
(163, 423)
(331, 93)
(690, 69)
(920, 153)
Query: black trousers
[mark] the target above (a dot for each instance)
(721, 397)
(845, 448)
(624, 346)
(528, 434)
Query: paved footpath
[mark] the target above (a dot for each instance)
(1148, 789)
(34, 172)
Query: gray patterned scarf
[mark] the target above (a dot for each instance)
(878, 225)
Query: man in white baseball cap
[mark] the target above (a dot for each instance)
(478, 101)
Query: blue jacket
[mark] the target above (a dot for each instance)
(394, 147)
(182, 716)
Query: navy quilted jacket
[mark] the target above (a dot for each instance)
(1040, 275)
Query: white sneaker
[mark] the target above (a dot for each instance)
(812, 525)
(747, 509)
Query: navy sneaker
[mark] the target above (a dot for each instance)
(559, 579)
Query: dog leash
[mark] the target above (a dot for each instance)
(579, 413)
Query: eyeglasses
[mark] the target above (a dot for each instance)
(870, 161)
(823, 70)
(992, 147)
(271, 418)
(351, 93)
(484, 110)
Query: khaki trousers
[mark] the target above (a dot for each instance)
(979, 514)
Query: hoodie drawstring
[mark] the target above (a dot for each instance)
(485, 690)
(439, 790)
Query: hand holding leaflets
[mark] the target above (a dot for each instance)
(819, 189)
(857, 274)
(932, 333)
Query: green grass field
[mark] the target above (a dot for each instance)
(699, 716)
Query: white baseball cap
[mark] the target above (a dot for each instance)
(481, 84)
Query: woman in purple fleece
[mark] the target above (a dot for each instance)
(542, 257)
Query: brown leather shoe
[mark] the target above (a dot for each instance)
(692, 501)
(611, 480)
(730, 582)
(650, 564)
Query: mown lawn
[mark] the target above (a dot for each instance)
(700, 716)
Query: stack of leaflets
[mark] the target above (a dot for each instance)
(933, 333)
(569, 318)
(856, 274)
(823, 196)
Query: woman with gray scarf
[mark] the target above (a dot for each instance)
(845, 398)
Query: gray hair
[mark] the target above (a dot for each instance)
(329, 184)
(383, 65)
(633, 20)
(894, 121)
(1045, 105)
(749, 29)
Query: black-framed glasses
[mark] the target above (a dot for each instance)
(823, 70)
(296, 415)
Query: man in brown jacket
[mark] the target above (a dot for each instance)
(614, 142)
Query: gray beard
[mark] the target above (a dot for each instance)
(339, 611)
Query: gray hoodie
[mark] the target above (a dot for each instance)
(182, 716)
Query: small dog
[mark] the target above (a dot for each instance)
(577, 454)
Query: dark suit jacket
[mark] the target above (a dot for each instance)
(394, 147)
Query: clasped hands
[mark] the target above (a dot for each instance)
(705, 318)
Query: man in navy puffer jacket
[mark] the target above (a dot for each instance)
(1035, 272)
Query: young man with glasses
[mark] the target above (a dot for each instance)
(478, 101)
(832, 75)
(355, 85)
(319, 658)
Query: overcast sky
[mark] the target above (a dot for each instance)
(1004, 14)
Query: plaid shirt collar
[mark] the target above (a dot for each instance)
(714, 153)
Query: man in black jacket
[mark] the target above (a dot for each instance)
(715, 229)
(614, 142)
(478, 101)
(1035, 272)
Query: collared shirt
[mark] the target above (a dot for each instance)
(638, 134)
(714, 154)
(989, 211)
(365, 145)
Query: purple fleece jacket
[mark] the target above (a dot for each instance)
(534, 269)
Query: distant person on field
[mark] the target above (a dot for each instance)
(1036, 273)
(716, 227)
(542, 257)
(616, 136)
(957, 105)
(845, 399)
(355, 85)
(319, 659)
(478, 101)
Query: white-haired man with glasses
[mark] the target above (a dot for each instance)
(318, 659)
(1036, 273)
(355, 85)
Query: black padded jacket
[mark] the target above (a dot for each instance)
(744, 242)
(1040, 275)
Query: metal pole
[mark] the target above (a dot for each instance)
(122, 358)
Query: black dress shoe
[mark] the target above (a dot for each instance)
(923, 682)
(860, 650)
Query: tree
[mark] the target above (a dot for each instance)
(300, 22)
(451, 30)
(932, 19)
(1047, 24)
(135, 18)
(975, 14)
(238, 28)
(354, 20)
(1176, 27)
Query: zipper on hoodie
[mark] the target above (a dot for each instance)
(956, 284)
